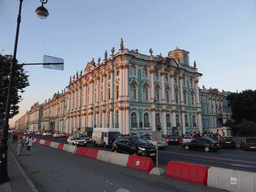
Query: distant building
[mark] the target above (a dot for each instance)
(133, 92)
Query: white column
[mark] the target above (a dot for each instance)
(152, 84)
(172, 88)
(162, 86)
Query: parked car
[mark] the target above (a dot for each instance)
(187, 139)
(63, 134)
(161, 144)
(172, 139)
(134, 145)
(227, 142)
(76, 141)
(38, 132)
(203, 143)
(57, 134)
(86, 138)
(248, 144)
(47, 133)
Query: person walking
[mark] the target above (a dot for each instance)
(29, 144)
(20, 146)
(14, 139)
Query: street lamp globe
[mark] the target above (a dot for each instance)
(42, 12)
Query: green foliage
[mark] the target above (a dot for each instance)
(243, 106)
(20, 81)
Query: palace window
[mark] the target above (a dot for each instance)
(185, 97)
(116, 119)
(157, 98)
(168, 120)
(194, 120)
(132, 70)
(193, 99)
(144, 73)
(177, 118)
(186, 121)
(146, 120)
(167, 95)
(133, 91)
(145, 93)
(108, 119)
(109, 96)
(156, 75)
(166, 77)
(177, 96)
(158, 120)
(134, 120)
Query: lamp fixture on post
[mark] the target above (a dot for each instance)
(42, 13)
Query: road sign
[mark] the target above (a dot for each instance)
(51, 62)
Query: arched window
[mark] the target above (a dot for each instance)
(133, 91)
(146, 120)
(184, 80)
(101, 96)
(192, 99)
(145, 93)
(185, 97)
(100, 120)
(167, 96)
(117, 92)
(108, 119)
(134, 120)
(177, 96)
(194, 120)
(177, 118)
(116, 119)
(157, 98)
(144, 73)
(165, 77)
(156, 75)
(168, 120)
(117, 72)
(186, 121)
(132, 70)
(109, 95)
(191, 82)
(175, 79)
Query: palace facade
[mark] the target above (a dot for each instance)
(133, 92)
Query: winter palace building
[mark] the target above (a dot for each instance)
(133, 92)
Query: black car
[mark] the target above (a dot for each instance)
(203, 143)
(134, 146)
(248, 144)
(227, 142)
(172, 139)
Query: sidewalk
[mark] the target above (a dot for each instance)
(19, 181)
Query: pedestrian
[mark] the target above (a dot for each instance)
(29, 144)
(14, 139)
(20, 146)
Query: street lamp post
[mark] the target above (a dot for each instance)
(42, 13)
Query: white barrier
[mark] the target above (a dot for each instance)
(42, 142)
(104, 156)
(69, 148)
(231, 180)
(54, 144)
(119, 159)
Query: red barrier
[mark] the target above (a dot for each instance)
(38, 140)
(92, 153)
(61, 145)
(20, 136)
(47, 143)
(187, 172)
(140, 163)
(81, 151)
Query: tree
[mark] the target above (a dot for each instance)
(243, 106)
(20, 81)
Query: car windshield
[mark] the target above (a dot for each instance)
(138, 141)
(209, 139)
(146, 137)
(251, 140)
(227, 139)
(173, 136)
(114, 134)
(187, 138)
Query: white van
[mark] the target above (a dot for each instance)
(104, 136)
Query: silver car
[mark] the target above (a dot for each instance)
(187, 139)
(76, 141)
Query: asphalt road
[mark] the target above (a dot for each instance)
(53, 170)
(226, 158)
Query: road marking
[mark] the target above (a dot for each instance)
(239, 165)
(219, 158)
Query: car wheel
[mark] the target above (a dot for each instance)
(215, 150)
(187, 147)
(104, 145)
(114, 150)
(206, 149)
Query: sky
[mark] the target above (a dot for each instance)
(220, 36)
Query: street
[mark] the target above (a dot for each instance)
(225, 158)
(53, 170)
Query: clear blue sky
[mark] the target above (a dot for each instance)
(219, 34)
